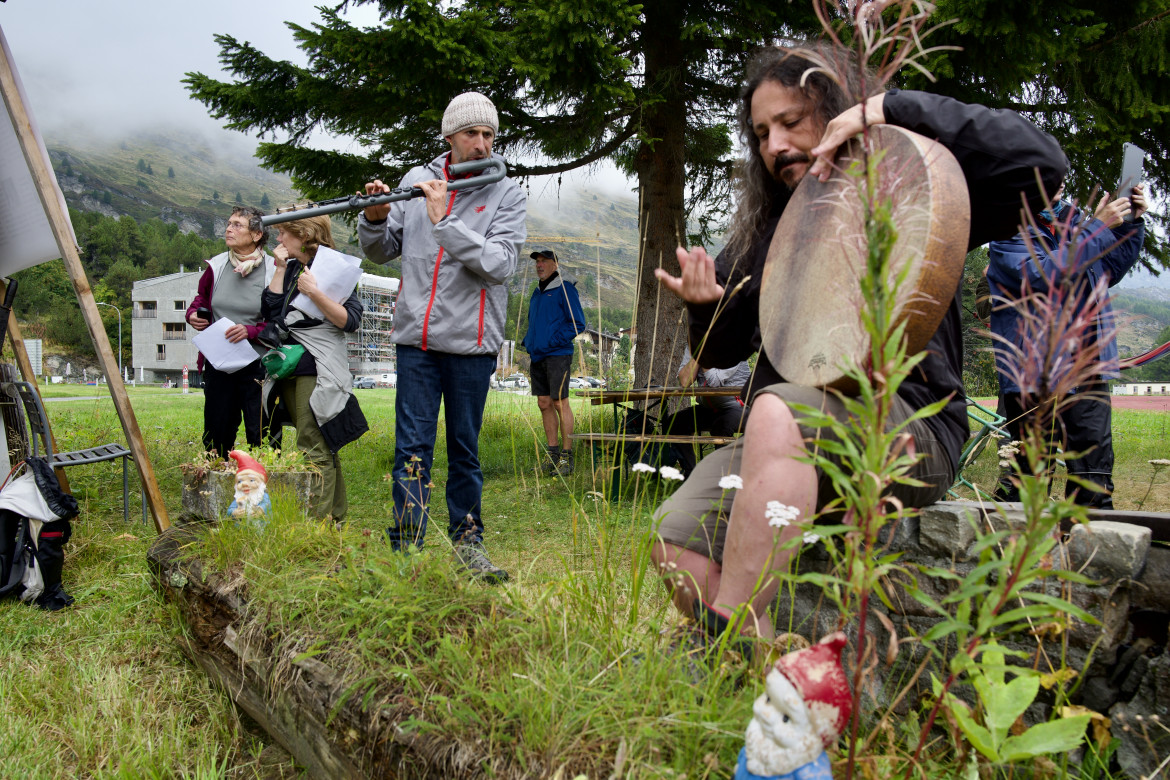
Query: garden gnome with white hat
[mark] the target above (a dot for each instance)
(803, 710)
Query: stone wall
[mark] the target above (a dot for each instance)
(1123, 662)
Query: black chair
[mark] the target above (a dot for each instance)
(41, 439)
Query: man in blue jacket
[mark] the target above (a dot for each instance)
(1068, 259)
(554, 320)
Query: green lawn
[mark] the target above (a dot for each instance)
(100, 689)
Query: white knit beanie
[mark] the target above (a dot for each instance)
(471, 109)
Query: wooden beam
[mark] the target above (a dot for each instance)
(28, 375)
(63, 233)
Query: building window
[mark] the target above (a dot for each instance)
(174, 331)
(161, 354)
(180, 305)
(146, 310)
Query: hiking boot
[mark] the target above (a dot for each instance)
(472, 558)
(552, 462)
(565, 464)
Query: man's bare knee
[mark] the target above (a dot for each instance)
(772, 425)
(543, 402)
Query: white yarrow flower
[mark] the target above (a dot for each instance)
(646, 467)
(1159, 462)
(780, 515)
(731, 482)
(811, 538)
(670, 472)
(1009, 450)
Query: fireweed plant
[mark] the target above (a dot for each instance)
(1003, 594)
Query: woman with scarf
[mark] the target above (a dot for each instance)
(317, 396)
(231, 287)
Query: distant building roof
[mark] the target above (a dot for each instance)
(165, 279)
(385, 282)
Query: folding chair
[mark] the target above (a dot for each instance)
(989, 428)
(40, 438)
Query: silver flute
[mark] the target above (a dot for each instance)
(493, 167)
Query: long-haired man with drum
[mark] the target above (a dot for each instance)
(458, 249)
(799, 105)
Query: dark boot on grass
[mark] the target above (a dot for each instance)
(565, 464)
(473, 559)
(552, 460)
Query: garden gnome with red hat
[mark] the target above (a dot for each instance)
(251, 497)
(803, 710)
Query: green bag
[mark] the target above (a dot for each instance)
(281, 362)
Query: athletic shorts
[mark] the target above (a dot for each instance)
(551, 376)
(695, 515)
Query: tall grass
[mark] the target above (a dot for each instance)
(562, 669)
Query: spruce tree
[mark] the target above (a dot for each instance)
(652, 85)
(141, 165)
(170, 173)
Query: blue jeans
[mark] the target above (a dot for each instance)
(460, 382)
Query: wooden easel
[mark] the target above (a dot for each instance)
(46, 186)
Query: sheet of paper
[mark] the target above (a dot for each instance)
(336, 274)
(220, 352)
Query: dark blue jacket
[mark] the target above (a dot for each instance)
(555, 318)
(1071, 267)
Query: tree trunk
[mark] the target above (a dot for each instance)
(661, 168)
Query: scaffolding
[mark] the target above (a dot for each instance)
(368, 348)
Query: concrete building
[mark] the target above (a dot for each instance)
(161, 338)
(1142, 388)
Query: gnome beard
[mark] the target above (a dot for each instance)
(780, 738)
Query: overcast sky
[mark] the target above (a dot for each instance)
(94, 66)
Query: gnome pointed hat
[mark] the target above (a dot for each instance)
(245, 462)
(819, 678)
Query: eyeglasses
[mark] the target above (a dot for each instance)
(238, 225)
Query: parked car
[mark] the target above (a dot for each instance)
(518, 381)
(590, 381)
(578, 383)
(363, 383)
(388, 380)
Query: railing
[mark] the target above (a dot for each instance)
(145, 314)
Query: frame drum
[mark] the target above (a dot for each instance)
(810, 297)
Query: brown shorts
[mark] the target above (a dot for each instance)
(695, 516)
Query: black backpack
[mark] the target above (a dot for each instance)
(32, 553)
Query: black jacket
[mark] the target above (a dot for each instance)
(1000, 154)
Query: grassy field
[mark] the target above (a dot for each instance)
(101, 689)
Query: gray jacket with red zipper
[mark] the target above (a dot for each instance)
(453, 296)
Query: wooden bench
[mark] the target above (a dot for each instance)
(40, 438)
